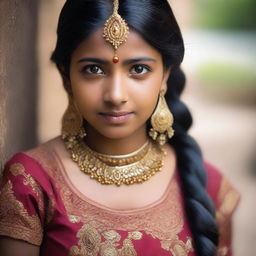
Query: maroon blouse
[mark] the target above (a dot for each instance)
(38, 204)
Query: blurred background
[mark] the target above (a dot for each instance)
(220, 41)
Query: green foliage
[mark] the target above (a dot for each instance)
(226, 14)
(227, 75)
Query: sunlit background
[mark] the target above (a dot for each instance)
(220, 40)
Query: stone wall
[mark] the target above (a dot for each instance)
(18, 74)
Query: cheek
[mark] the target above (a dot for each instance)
(149, 95)
(147, 100)
(84, 99)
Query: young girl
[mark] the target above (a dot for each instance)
(124, 178)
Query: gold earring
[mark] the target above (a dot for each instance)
(161, 121)
(72, 122)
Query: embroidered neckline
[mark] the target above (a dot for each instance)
(163, 220)
(100, 206)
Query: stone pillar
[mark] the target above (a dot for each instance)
(18, 76)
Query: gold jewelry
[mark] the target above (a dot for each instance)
(121, 160)
(72, 122)
(104, 170)
(161, 121)
(116, 30)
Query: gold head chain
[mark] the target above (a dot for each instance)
(116, 30)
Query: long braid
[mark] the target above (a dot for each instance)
(199, 207)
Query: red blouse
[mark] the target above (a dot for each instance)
(38, 204)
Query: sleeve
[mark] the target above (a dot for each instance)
(227, 201)
(21, 204)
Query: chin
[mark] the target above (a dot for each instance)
(117, 133)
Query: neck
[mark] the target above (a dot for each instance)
(117, 146)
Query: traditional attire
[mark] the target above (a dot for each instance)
(39, 204)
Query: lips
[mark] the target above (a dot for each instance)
(116, 117)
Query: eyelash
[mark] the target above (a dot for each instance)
(148, 69)
(85, 69)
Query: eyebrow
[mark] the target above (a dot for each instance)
(96, 60)
(126, 62)
(135, 60)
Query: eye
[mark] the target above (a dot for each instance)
(140, 69)
(92, 69)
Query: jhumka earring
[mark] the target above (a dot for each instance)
(72, 122)
(116, 30)
(161, 121)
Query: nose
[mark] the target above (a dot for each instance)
(115, 92)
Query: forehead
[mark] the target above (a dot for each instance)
(96, 46)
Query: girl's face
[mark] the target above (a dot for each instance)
(116, 100)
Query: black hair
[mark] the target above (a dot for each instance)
(156, 23)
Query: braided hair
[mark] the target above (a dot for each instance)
(156, 23)
(199, 206)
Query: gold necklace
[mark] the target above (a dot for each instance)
(120, 160)
(132, 168)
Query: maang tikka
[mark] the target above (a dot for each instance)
(116, 30)
(161, 121)
(72, 122)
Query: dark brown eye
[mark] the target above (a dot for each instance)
(140, 69)
(93, 69)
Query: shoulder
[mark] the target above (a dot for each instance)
(26, 192)
(34, 163)
(224, 195)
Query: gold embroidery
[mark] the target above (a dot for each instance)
(112, 236)
(222, 251)
(74, 219)
(227, 199)
(50, 209)
(15, 220)
(18, 169)
(90, 243)
(177, 247)
(127, 249)
(136, 235)
(163, 222)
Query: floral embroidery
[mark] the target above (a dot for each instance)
(13, 214)
(162, 223)
(18, 169)
(74, 219)
(90, 243)
(178, 247)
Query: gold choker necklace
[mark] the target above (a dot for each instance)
(121, 160)
(136, 167)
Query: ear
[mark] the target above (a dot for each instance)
(166, 75)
